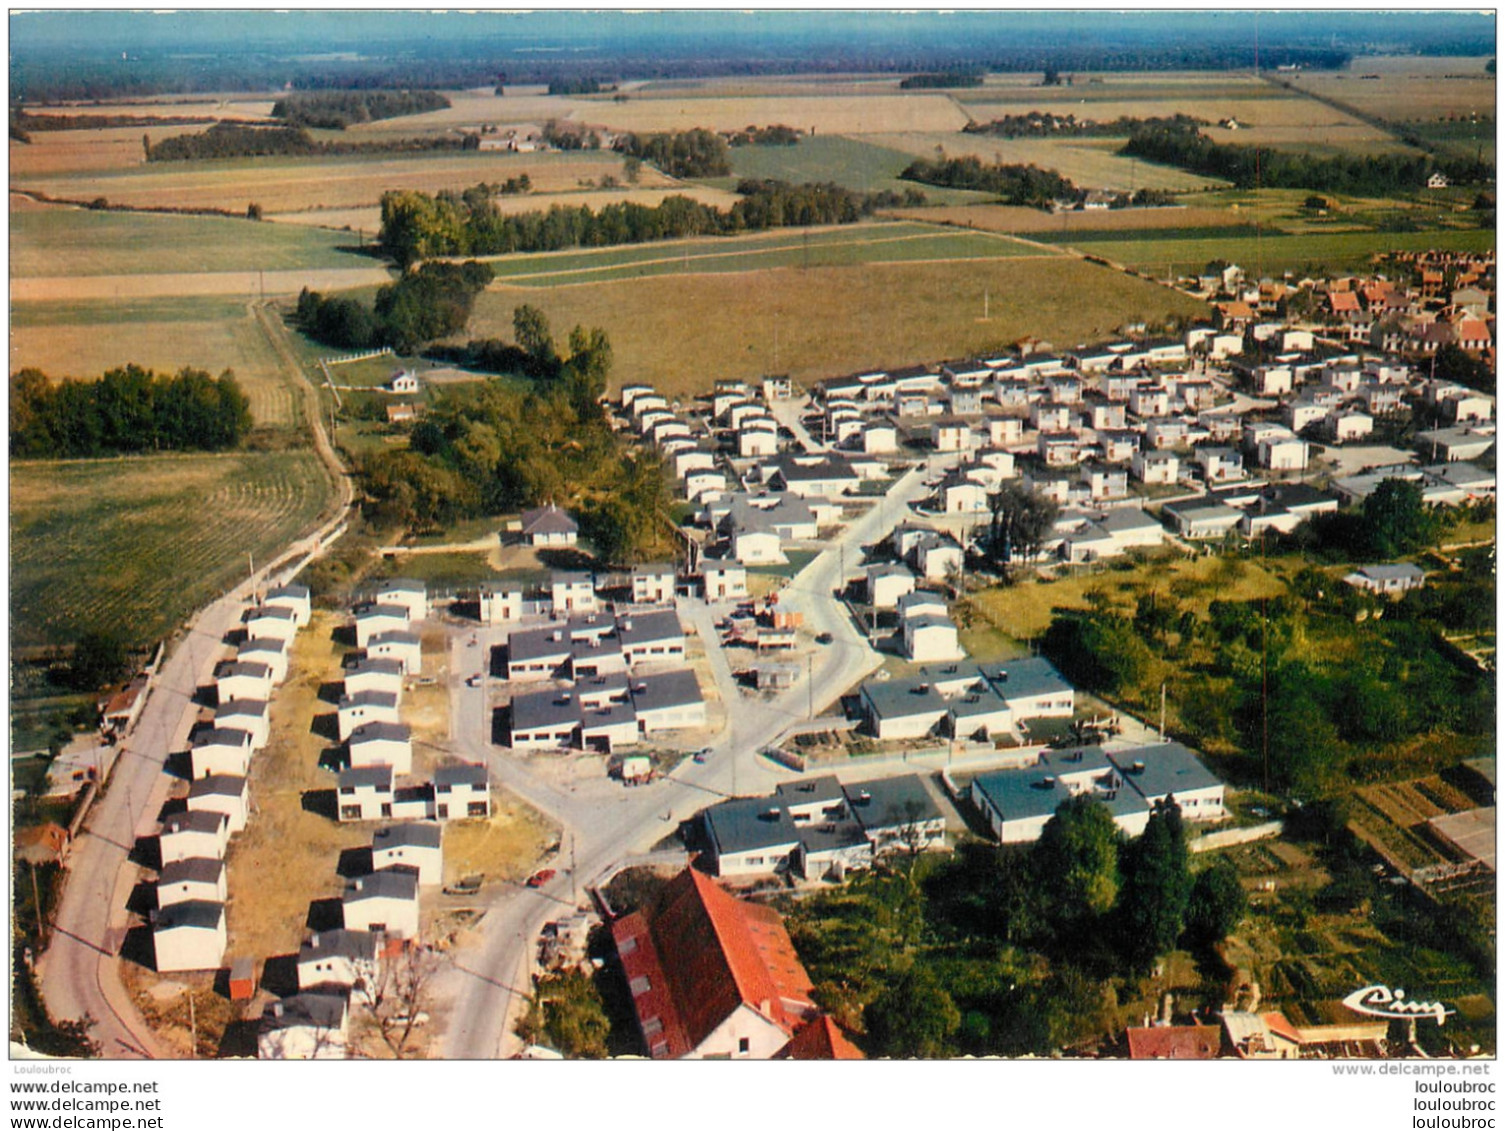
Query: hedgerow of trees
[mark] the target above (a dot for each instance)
(685, 154)
(941, 80)
(765, 135)
(1181, 144)
(1015, 184)
(229, 139)
(336, 109)
(1042, 123)
(129, 409)
(431, 302)
(418, 226)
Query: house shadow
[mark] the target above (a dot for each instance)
(143, 897)
(279, 974)
(205, 695)
(326, 726)
(466, 610)
(332, 692)
(332, 758)
(501, 725)
(497, 663)
(237, 636)
(171, 807)
(325, 915)
(138, 947)
(356, 861)
(147, 852)
(179, 764)
(322, 803)
(344, 635)
(239, 1040)
(567, 558)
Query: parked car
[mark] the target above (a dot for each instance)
(466, 885)
(824, 638)
(702, 755)
(538, 879)
(474, 681)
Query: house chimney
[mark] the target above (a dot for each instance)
(313, 941)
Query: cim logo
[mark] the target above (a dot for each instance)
(1382, 1001)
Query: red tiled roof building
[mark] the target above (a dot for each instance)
(710, 975)
(1176, 1042)
(821, 1039)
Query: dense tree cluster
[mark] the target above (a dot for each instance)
(418, 226)
(46, 123)
(230, 139)
(1015, 184)
(431, 302)
(1043, 123)
(581, 84)
(129, 409)
(765, 135)
(1020, 520)
(941, 80)
(1248, 166)
(687, 154)
(336, 109)
(565, 1013)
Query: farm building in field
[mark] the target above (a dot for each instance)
(549, 526)
(414, 844)
(710, 975)
(305, 1027)
(189, 936)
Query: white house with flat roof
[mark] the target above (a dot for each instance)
(382, 744)
(295, 597)
(413, 844)
(373, 620)
(411, 595)
(194, 833)
(243, 679)
(400, 645)
(200, 878)
(189, 936)
(386, 900)
(217, 751)
(366, 707)
(227, 794)
(365, 794)
(374, 673)
(271, 651)
(254, 716)
(276, 621)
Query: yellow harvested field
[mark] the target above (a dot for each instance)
(469, 109)
(1006, 218)
(56, 152)
(681, 332)
(251, 284)
(369, 219)
(230, 106)
(1275, 109)
(87, 350)
(1410, 93)
(290, 185)
(831, 115)
(1090, 163)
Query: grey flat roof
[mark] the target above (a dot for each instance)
(252, 668)
(385, 883)
(410, 834)
(194, 821)
(1022, 794)
(645, 628)
(217, 785)
(547, 643)
(233, 737)
(584, 647)
(464, 773)
(196, 869)
(887, 802)
(260, 644)
(271, 612)
(665, 690)
(535, 710)
(904, 698)
(571, 577)
(203, 914)
(369, 698)
(296, 592)
(608, 715)
(825, 789)
(234, 708)
(379, 776)
(380, 732)
(372, 611)
(319, 1011)
(1026, 678)
(401, 585)
(1168, 768)
(1402, 571)
(381, 665)
(349, 944)
(396, 636)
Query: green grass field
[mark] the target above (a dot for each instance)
(132, 546)
(846, 161)
(207, 308)
(857, 245)
(68, 242)
(1278, 252)
(682, 332)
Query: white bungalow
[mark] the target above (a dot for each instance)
(225, 751)
(366, 707)
(382, 901)
(403, 646)
(221, 793)
(192, 834)
(189, 936)
(200, 878)
(295, 597)
(382, 744)
(276, 621)
(243, 679)
(411, 595)
(413, 844)
(373, 620)
(271, 651)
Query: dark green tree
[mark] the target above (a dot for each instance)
(530, 326)
(1075, 862)
(1157, 888)
(1397, 520)
(1216, 905)
(913, 1017)
(1020, 520)
(98, 660)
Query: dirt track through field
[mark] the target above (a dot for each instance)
(252, 284)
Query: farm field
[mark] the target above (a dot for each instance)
(53, 152)
(859, 165)
(1275, 253)
(683, 332)
(62, 241)
(1087, 162)
(826, 114)
(1032, 222)
(131, 546)
(293, 184)
(85, 339)
(1409, 88)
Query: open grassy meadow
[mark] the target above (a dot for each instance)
(854, 163)
(84, 339)
(132, 546)
(76, 241)
(683, 332)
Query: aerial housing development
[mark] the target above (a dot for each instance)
(1042, 607)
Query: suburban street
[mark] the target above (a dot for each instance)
(611, 823)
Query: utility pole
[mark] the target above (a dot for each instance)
(809, 679)
(193, 1029)
(1162, 711)
(574, 894)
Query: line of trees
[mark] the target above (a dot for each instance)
(581, 84)
(336, 109)
(1042, 123)
(418, 226)
(432, 302)
(1015, 184)
(941, 80)
(686, 154)
(129, 409)
(765, 135)
(231, 139)
(1247, 166)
